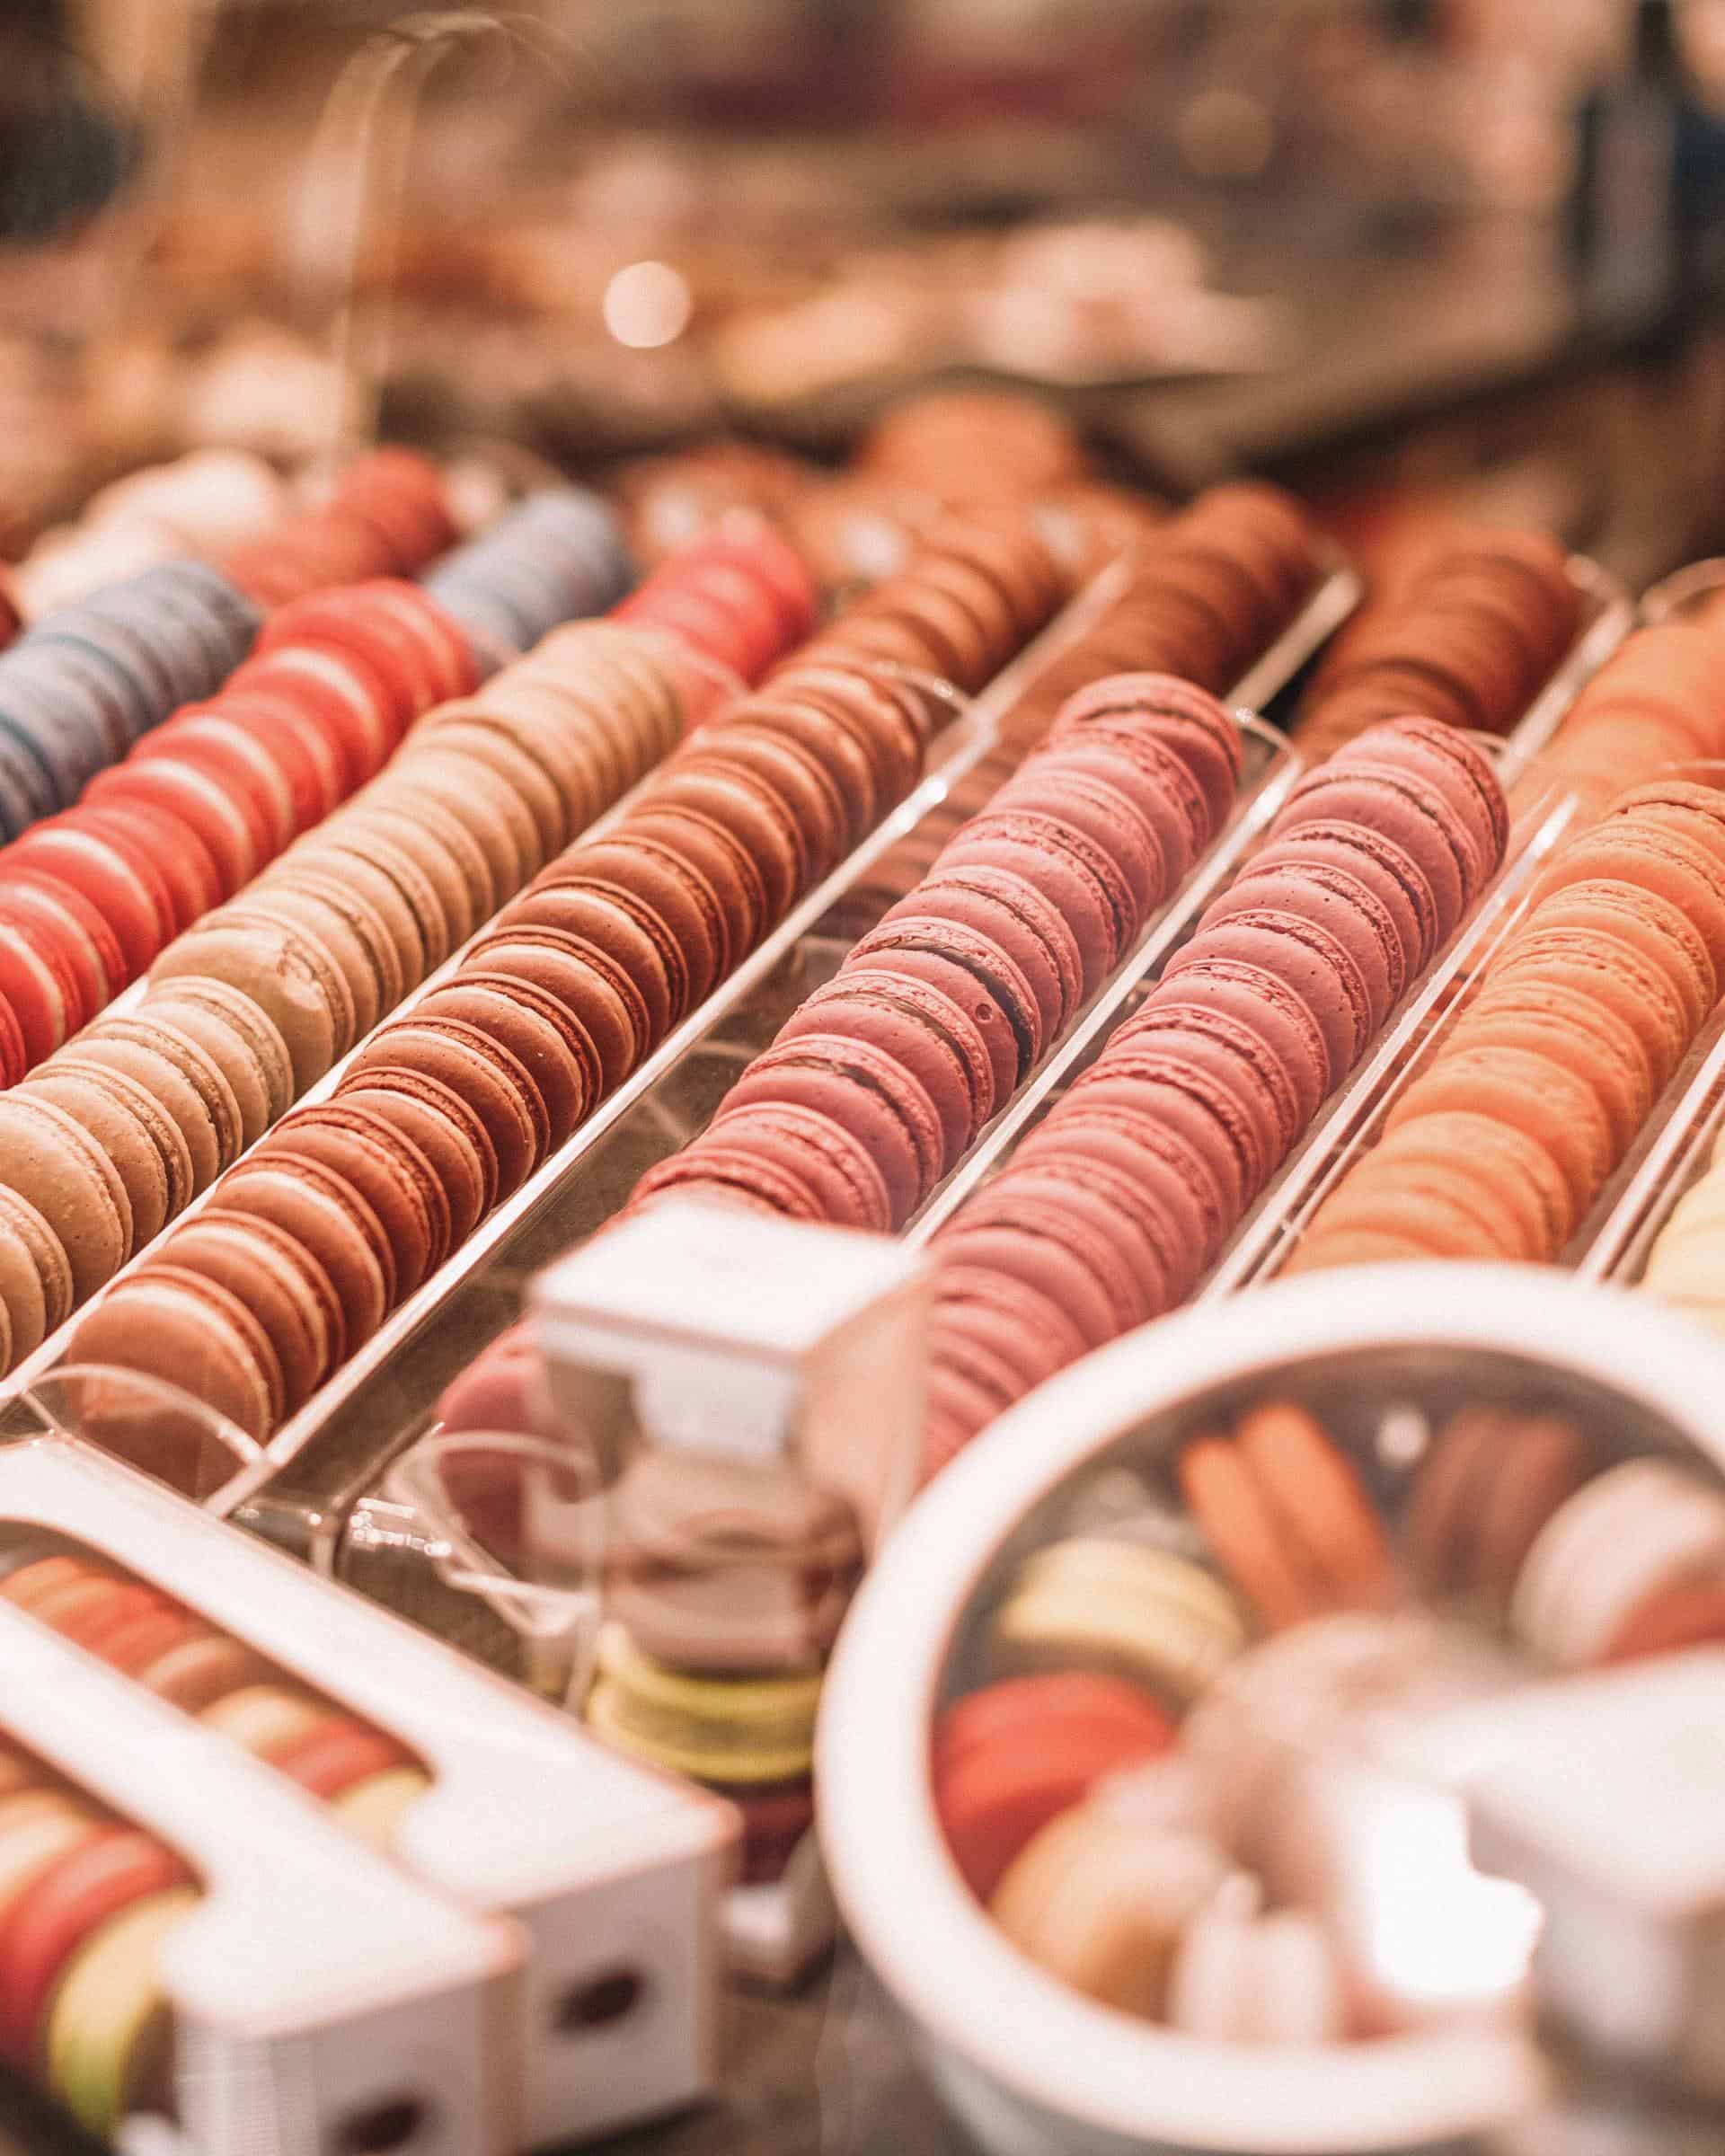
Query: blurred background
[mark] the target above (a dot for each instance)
(1386, 250)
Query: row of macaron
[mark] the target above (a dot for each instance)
(85, 1898)
(82, 688)
(91, 897)
(1202, 596)
(460, 1099)
(201, 505)
(387, 515)
(937, 455)
(1653, 705)
(1127, 1191)
(1468, 632)
(879, 1083)
(203, 802)
(291, 976)
(1570, 1034)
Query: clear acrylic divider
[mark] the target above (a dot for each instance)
(154, 1426)
(520, 1523)
(1608, 617)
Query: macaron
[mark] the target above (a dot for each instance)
(279, 1281)
(439, 1124)
(1343, 906)
(1100, 1905)
(53, 1164)
(189, 1081)
(337, 1230)
(865, 1091)
(36, 1280)
(1550, 1102)
(1009, 1758)
(1637, 1528)
(584, 982)
(1491, 1479)
(546, 1038)
(142, 1144)
(71, 1901)
(741, 1731)
(1123, 1608)
(107, 2027)
(239, 1037)
(1322, 971)
(973, 972)
(178, 1326)
(288, 974)
(789, 1155)
(480, 1071)
(927, 1033)
(365, 1146)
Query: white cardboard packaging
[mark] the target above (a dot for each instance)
(316, 1985)
(616, 1875)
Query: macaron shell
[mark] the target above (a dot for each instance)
(103, 1113)
(53, 1164)
(173, 1325)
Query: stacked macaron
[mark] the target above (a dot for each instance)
(202, 505)
(1499, 1146)
(86, 685)
(1469, 632)
(387, 516)
(277, 985)
(1686, 1264)
(725, 1583)
(878, 1085)
(90, 898)
(86, 1904)
(1655, 703)
(556, 557)
(1111, 1210)
(366, 1777)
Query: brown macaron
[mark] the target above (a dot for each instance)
(35, 1276)
(288, 976)
(585, 982)
(494, 1082)
(177, 1326)
(331, 1222)
(97, 1101)
(363, 1144)
(273, 1274)
(438, 1123)
(552, 1045)
(50, 1160)
(240, 1038)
